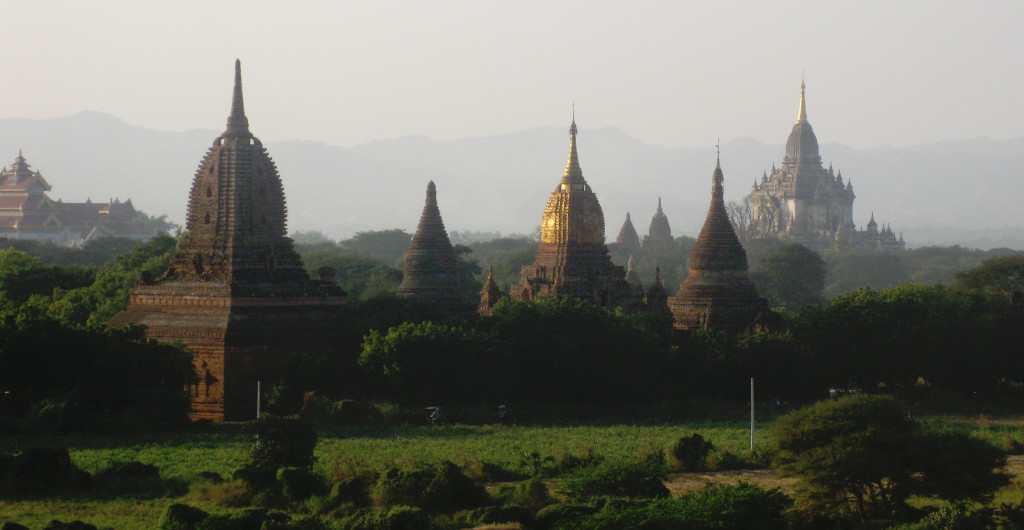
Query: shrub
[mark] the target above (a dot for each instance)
(690, 452)
(281, 442)
(181, 517)
(353, 490)
(499, 514)
(862, 456)
(532, 494)
(563, 515)
(256, 477)
(244, 520)
(616, 479)
(137, 479)
(13, 526)
(396, 518)
(441, 487)
(40, 471)
(299, 484)
(737, 506)
(73, 525)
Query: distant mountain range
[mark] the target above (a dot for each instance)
(967, 192)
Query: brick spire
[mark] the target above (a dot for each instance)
(717, 292)
(430, 270)
(238, 124)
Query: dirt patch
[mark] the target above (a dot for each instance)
(680, 483)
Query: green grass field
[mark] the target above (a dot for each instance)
(354, 450)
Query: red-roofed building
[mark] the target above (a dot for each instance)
(26, 212)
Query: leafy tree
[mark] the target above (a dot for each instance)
(1001, 277)
(860, 456)
(22, 275)
(362, 277)
(388, 246)
(791, 276)
(848, 271)
(425, 362)
(897, 336)
(112, 372)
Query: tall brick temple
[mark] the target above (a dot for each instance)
(572, 258)
(236, 291)
(717, 293)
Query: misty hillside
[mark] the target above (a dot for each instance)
(966, 192)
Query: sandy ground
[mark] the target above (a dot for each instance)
(679, 483)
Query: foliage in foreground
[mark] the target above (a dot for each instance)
(863, 457)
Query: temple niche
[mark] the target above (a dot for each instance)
(717, 293)
(430, 271)
(572, 259)
(236, 292)
(805, 203)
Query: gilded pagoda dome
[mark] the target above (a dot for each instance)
(573, 215)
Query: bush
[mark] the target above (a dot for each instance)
(13, 526)
(690, 452)
(862, 456)
(737, 506)
(243, 520)
(563, 515)
(181, 517)
(499, 514)
(616, 479)
(136, 479)
(73, 525)
(396, 518)
(40, 471)
(442, 488)
(281, 442)
(351, 491)
(299, 484)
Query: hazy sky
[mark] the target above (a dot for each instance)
(672, 73)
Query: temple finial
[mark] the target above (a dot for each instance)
(572, 166)
(801, 116)
(572, 128)
(238, 124)
(659, 204)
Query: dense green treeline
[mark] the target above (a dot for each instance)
(960, 337)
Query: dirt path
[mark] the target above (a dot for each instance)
(679, 483)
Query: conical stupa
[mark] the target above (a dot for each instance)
(717, 293)
(430, 271)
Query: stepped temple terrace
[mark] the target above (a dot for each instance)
(572, 259)
(717, 293)
(805, 203)
(236, 292)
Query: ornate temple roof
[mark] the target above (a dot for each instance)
(802, 145)
(573, 215)
(572, 259)
(237, 216)
(628, 237)
(490, 293)
(660, 228)
(430, 270)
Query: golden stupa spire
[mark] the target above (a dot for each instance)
(801, 116)
(573, 173)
